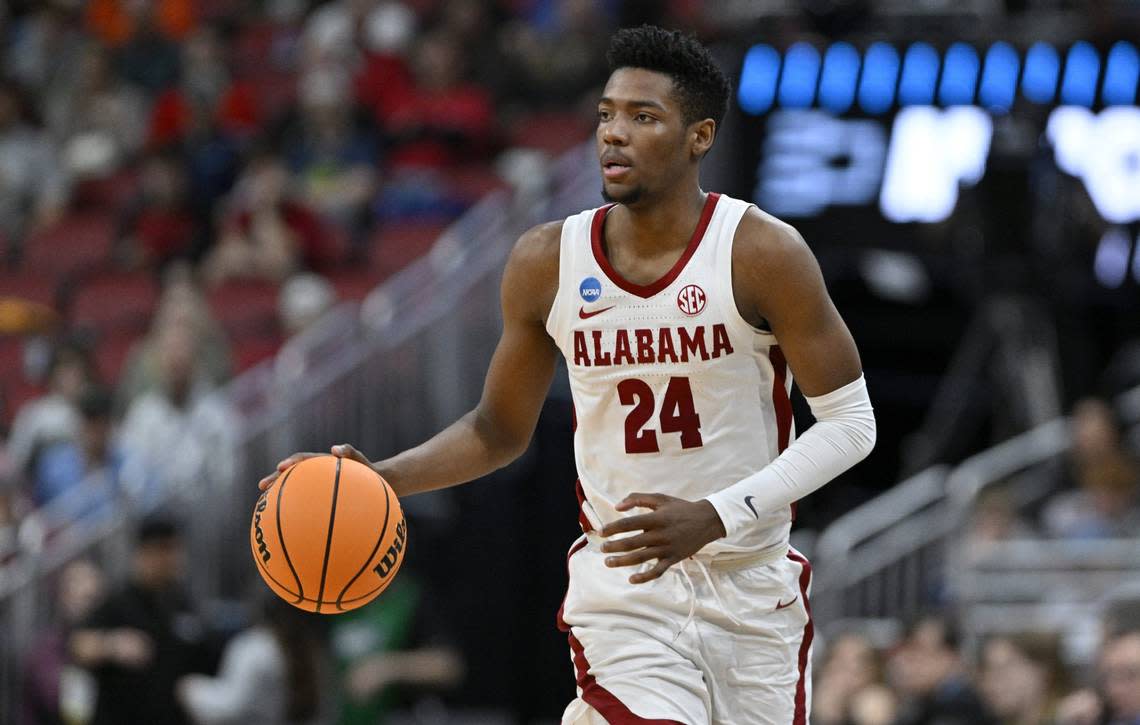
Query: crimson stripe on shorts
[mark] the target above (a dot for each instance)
(578, 546)
(781, 402)
(800, 717)
(581, 494)
(608, 706)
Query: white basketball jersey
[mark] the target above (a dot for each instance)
(674, 392)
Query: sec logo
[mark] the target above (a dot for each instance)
(590, 289)
(691, 300)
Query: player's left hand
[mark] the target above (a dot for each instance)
(672, 531)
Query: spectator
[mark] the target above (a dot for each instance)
(447, 119)
(55, 693)
(178, 428)
(269, 674)
(1120, 675)
(994, 520)
(205, 98)
(1106, 502)
(1117, 700)
(332, 151)
(96, 118)
(340, 32)
(116, 22)
(81, 478)
(181, 305)
(269, 236)
(33, 187)
(45, 46)
(303, 300)
(144, 636)
(160, 226)
(391, 644)
(54, 416)
(930, 675)
(559, 66)
(850, 687)
(1022, 678)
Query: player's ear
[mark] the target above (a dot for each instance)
(701, 136)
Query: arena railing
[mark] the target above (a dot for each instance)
(902, 553)
(384, 375)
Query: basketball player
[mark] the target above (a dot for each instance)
(681, 315)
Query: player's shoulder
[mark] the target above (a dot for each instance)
(537, 250)
(761, 237)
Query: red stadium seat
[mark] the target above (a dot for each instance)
(394, 246)
(17, 393)
(245, 308)
(354, 284)
(472, 182)
(31, 287)
(11, 358)
(76, 242)
(109, 193)
(249, 351)
(114, 301)
(550, 132)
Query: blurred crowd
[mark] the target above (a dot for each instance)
(184, 185)
(143, 650)
(927, 676)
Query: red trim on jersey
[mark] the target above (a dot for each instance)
(781, 403)
(648, 290)
(800, 717)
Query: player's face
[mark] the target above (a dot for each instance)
(641, 135)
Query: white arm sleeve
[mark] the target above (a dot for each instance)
(843, 435)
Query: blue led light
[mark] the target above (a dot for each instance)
(1078, 88)
(877, 85)
(959, 76)
(1039, 82)
(837, 84)
(920, 72)
(1120, 76)
(999, 79)
(801, 70)
(758, 77)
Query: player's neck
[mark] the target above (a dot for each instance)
(653, 226)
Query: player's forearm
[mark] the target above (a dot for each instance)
(844, 433)
(467, 449)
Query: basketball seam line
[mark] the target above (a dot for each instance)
(314, 601)
(379, 540)
(328, 543)
(281, 536)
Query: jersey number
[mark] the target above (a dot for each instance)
(678, 415)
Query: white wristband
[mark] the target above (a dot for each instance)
(843, 434)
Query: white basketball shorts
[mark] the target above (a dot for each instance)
(705, 643)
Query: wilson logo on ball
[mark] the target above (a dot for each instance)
(392, 556)
(691, 300)
(258, 534)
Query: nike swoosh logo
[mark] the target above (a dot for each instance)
(780, 605)
(587, 315)
(748, 503)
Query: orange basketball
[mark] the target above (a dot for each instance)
(329, 535)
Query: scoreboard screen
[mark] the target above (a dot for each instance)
(878, 144)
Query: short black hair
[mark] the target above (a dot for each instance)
(95, 403)
(158, 528)
(702, 87)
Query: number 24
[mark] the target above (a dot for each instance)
(678, 414)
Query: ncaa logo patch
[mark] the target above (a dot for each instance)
(590, 289)
(691, 300)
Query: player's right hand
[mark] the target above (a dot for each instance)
(341, 450)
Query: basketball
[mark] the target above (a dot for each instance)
(329, 535)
